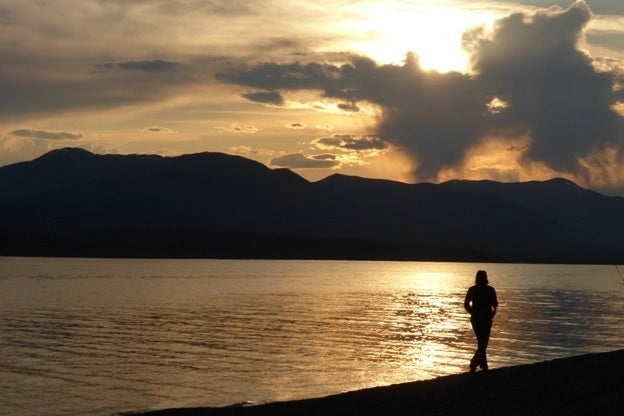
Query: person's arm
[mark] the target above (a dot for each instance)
(494, 306)
(467, 300)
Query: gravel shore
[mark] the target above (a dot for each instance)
(591, 384)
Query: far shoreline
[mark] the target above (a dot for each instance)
(148, 258)
(201, 244)
(585, 384)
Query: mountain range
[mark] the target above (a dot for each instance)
(70, 202)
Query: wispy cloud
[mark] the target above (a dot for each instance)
(157, 65)
(46, 135)
(157, 129)
(239, 128)
(265, 97)
(350, 142)
(300, 161)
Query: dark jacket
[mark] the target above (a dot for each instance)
(481, 302)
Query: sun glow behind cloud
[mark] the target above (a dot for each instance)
(155, 91)
(433, 31)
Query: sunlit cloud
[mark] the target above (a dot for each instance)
(500, 159)
(434, 33)
(20, 146)
(350, 143)
(333, 107)
(326, 127)
(554, 76)
(529, 78)
(496, 106)
(603, 168)
(618, 108)
(239, 128)
(245, 150)
(505, 160)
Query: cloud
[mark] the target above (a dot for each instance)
(22, 146)
(350, 142)
(63, 56)
(424, 113)
(248, 150)
(238, 128)
(143, 66)
(30, 92)
(300, 161)
(551, 87)
(599, 6)
(325, 127)
(292, 76)
(529, 79)
(265, 97)
(296, 126)
(45, 135)
(351, 107)
(157, 129)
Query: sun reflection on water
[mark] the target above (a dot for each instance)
(265, 331)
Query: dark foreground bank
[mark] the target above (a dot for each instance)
(590, 384)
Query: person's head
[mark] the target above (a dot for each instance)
(481, 278)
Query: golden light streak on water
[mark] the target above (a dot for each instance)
(104, 336)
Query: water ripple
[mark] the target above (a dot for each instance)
(106, 345)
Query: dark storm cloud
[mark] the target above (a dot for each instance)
(274, 76)
(436, 115)
(614, 7)
(530, 64)
(143, 66)
(552, 88)
(45, 135)
(300, 161)
(265, 97)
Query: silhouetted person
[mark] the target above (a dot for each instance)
(481, 304)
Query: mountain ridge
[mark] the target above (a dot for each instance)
(113, 203)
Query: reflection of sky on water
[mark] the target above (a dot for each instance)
(546, 323)
(139, 334)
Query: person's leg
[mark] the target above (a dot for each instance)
(483, 338)
(476, 358)
(482, 331)
(474, 361)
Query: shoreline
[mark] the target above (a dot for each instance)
(584, 384)
(157, 244)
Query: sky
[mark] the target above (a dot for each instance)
(415, 91)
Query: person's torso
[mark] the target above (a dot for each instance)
(483, 299)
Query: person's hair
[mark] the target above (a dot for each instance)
(481, 278)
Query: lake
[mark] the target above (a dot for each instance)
(104, 336)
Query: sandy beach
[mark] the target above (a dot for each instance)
(591, 384)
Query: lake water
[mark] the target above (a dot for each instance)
(103, 336)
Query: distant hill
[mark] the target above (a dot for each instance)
(70, 202)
